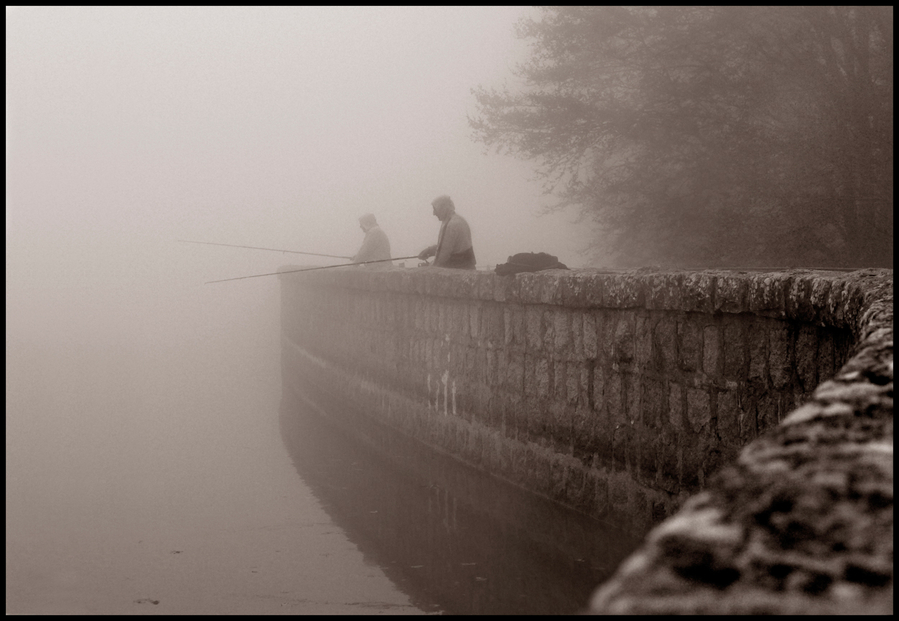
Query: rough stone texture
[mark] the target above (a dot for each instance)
(620, 394)
(802, 523)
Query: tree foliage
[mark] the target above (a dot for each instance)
(710, 136)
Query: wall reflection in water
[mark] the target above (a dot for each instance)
(456, 540)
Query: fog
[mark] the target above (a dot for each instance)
(141, 402)
(130, 128)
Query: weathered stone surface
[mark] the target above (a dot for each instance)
(620, 394)
(800, 524)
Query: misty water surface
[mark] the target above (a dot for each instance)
(145, 475)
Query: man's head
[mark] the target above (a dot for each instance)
(443, 207)
(367, 221)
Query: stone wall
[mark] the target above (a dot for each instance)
(802, 521)
(618, 394)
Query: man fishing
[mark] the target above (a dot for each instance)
(453, 247)
(375, 245)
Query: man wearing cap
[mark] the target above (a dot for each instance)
(453, 247)
(375, 245)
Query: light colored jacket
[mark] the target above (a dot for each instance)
(375, 247)
(454, 244)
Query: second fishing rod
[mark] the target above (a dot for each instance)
(307, 269)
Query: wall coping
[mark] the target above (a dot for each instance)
(837, 299)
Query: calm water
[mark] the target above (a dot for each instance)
(159, 484)
(457, 540)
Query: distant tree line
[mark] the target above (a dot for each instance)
(710, 136)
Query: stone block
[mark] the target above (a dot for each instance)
(530, 374)
(597, 394)
(799, 305)
(780, 364)
(806, 357)
(505, 288)
(689, 339)
(614, 401)
(631, 384)
(734, 351)
(652, 405)
(731, 293)
(514, 327)
(561, 430)
(549, 332)
(457, 325)
(542, 377)
(474, 321)
(561, 333)
(818, 299)
(549, 288)
(582, 439)
(514, 381)
(667, 475)
(491, 367)
(606, 336)
(577, 333)
(434, 317)
(585, 384)
(623, 337)
(837, 303)
(534, 328)
(692, 455)
(537, 424)
(825, 359)
(594, 285)
(675, 406)
(768, 411)
(528, 288)
(757, 337)
(767, 294)
(698, 292)
(526, 420)
(592, 327)
(560, 379)
(623, 291)
(664, 345)
(711, 350)
(603, 434)
(647, 456)
(665, 291)
(600, 485)
(573, 383)
(728, 416)
(643, 339)
(571, 290)
(699, 410)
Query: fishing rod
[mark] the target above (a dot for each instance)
(309, 269)
(317, 254)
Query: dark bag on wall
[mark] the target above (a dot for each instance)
(529, 262)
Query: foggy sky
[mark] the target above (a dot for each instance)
(130, 128)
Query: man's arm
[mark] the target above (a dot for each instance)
(428, 252)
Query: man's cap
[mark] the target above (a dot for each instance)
(368, 220)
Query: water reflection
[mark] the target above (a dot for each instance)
(456, 540)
